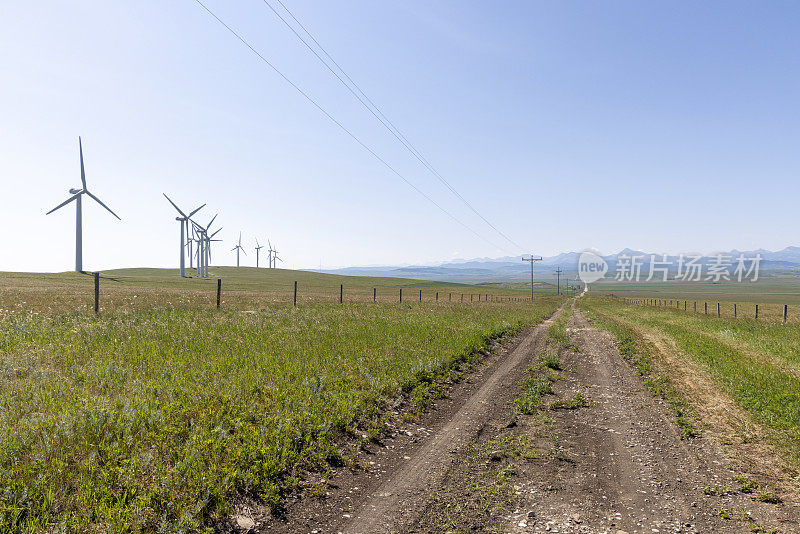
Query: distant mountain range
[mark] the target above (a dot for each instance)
(512, 268)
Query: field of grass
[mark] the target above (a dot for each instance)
(757, 363)
(242, 288)
(771, 292)
(155, 415)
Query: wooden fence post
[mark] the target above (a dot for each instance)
(449, 297)
(341, 293)
(219, 291)
(295, 292)
(96, 293)
(420, 295)
(374, 294)
(705, 306)
(437, 296)
(401, 294)
(718, 314)
(756, 311)
(734, 310)
(462, 297)
(684, 305)
(695, 306)
(785, 311)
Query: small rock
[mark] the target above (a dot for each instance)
(531, 514)
(244, 522)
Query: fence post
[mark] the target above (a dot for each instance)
(374, 294)
(734, 310)
(341, 293)
(705, 306)
(295, 292)
(785, 310)
(437, 296)
(219, 290)
(756, 311)
(96, 293)
(684, 305)
(470, 297)
(695, 306)
(462, 297)
(420, 295)
(401, 294)
(718, 314)
(449, 297)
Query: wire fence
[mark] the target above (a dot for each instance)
(774, 312)
(97, 293)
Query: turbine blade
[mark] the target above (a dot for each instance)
(83, 174)
(212, 220)
(195, 211)
(101, 203)
(173, 205)
(215, 233)
(70, 199)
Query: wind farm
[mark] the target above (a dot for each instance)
(530, 268)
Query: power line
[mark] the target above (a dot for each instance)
(376, 112)
(339, 124)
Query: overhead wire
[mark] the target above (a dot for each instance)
(376, 111)
(340, 125)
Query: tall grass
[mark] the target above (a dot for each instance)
(156, 420)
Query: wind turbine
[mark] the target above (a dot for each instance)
(275, 259)
(270, 251)
(184, 220)
(258, 250)
(76, 195)
(237, 248)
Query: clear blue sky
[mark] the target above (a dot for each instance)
(664, 126)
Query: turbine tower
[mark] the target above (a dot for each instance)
(238, 248)
(270, 251)
(76, 195)
(184, 220)
(258, 250)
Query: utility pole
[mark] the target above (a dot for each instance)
(558, 280)
(532, 259)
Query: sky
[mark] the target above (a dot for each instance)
(659, 126)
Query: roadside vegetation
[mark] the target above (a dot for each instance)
(156, 419)
(756, 363)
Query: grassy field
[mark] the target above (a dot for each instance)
(242, 288)
(757, 363)
(771, 292)
(157, 414)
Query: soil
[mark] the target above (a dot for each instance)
(616, 464)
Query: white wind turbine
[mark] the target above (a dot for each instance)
(76, 195)
(258, 250)
(238, 248)
(270, 250)
(184, 220)
(275, 259)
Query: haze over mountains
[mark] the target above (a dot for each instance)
(512, 268)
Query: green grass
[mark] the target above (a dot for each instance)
(157, 417)
(242, 288)
(752, 362)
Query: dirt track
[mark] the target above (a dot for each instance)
(616, 465)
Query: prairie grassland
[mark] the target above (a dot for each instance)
(771, 292)
(242, 288)
(155, 418)
(757, 363)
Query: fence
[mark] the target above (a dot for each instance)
(401, 295)
(726, 309)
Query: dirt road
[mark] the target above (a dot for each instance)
(615, 464)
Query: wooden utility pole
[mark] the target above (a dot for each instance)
(558, 280)
(532, 259)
